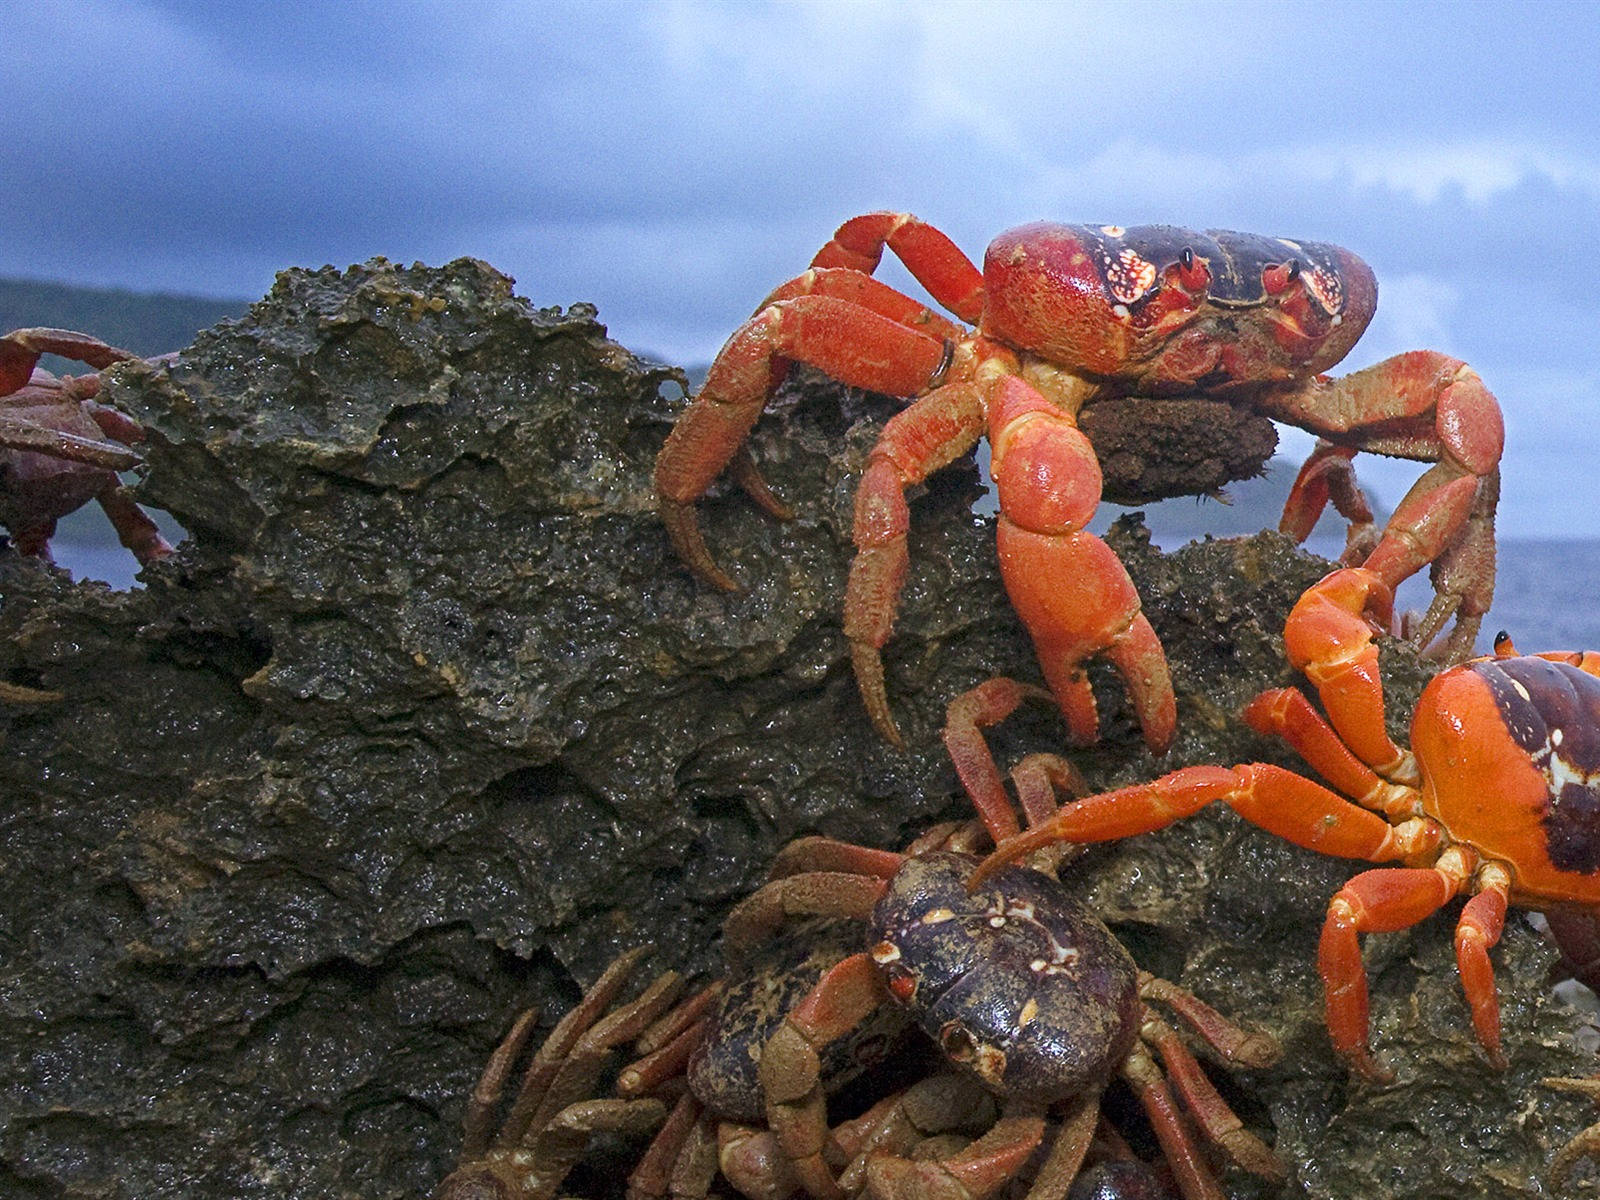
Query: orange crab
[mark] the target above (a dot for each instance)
(1499, 796)
(1062, 317)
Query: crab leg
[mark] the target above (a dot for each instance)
(790, 1068)
(972, 1173)
(1482, 920)
(1219, 1123)
(933, 259)
(28, 437)
(844, 283)
(21, 349)
(1585, 1144)
(1381, 901)
(672, 1150)
(932, 433)
(1428, 406)
(1270, 797)
(578, 1047)
(1194, 1178)
(1070, 590)
(1286, 713)
(814, 893)
(853, 344)
(1327, 636)
(134, 529)
(965, 719)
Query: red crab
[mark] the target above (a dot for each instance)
(1064, 316)
(1498, 797)
(59, 449)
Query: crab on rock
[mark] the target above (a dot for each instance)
(1498, 796)
(59, 449)
(1024, 990)
(1064, 316)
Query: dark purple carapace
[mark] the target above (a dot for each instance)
(1133, 260)
(1018, 982)
(1551, 710)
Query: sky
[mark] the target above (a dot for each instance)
(672, 161)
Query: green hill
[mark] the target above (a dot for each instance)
(147, 323)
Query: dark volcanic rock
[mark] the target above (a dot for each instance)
(425, 722)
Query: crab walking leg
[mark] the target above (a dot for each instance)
(972, 1173)
(675, 1154)
(556, 1146)
(21, 349)
(965, 719)
(1236, 1045)
(1428, 406)
(1381, 901)
(1477, 932)
(852, 344)
(1585, 1144)
(1070, 590)
(934, 261)
(134, 529)
(896, 1126)
(1291, 806)
(846, 284)
(1189, 1169)
(1286, 713)
(477, 1125)
(790, 1069)
(1327, 475)
(932, 433)
(808, 854)
(33, 438)
(1219, 1123)
(1327, 636)
(816, 893)
(560, 1069)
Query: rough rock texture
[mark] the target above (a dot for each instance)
(425, 722)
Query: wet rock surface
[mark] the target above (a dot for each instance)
(424, 723)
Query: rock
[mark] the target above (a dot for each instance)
(425, 722)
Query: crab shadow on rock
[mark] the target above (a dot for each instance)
(425, 721)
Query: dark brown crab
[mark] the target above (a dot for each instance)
(1025, 991)
(59, 449)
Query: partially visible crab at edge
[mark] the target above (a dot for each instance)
(59, 449)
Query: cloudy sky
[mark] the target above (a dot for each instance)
(672, 161)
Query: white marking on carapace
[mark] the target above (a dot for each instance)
(937, 916)
(885, 952)
(1030, 1010)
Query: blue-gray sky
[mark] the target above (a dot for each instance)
(672, 161)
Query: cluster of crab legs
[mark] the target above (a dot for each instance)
(1493, 797)
(1031, 1004)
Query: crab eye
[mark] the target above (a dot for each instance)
(1280, 275)
(958, 1043)
(1193, 274)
